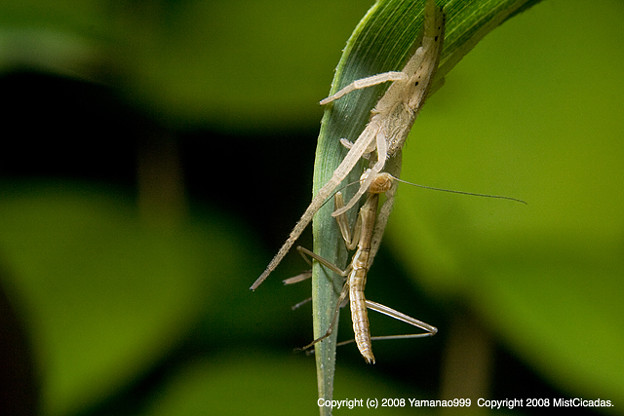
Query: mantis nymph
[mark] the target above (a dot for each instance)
(355, 275)
(390, 123)
(357, 271)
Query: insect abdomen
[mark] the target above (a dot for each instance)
(359, 314)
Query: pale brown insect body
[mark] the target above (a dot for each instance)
(360, 265)
(357, 271)
(395, 112)
(391, 120)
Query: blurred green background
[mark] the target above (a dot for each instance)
(157, 153)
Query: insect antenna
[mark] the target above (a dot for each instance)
(452, 191)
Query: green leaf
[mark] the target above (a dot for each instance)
(104, 295)
(381, 42)
(541, 122)
(188, 62)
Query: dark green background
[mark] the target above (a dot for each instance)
(157, 153)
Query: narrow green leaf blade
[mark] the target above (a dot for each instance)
(381, 42)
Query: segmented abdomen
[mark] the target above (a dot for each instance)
(359, 315)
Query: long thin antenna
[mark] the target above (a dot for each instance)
(463, 192)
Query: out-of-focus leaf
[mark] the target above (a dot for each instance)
(103, 295)
(235, 64)
(267, 385)
(540, 121)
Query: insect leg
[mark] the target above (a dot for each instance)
(343, 295)
(393, 167)
(365, 83)
(378, 307)
(382, 153)
(305, 252)
(348, 163)
(298, 278)
(430, 330)
(351, 240)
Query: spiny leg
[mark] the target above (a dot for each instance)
(351, 240)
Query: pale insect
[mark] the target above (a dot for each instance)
(395, 113)
(391, 120)
(362, 237)
(357, 271)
